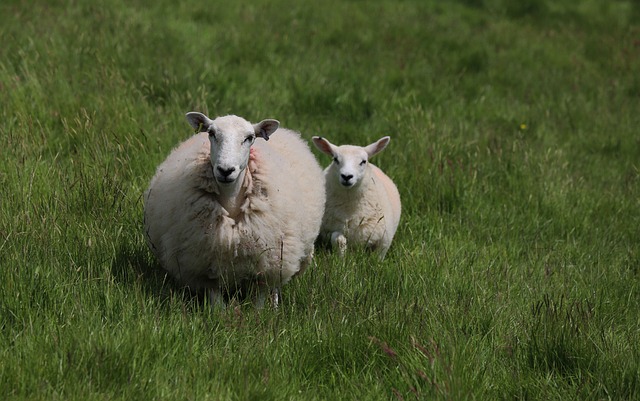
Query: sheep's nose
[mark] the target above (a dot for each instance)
(346, 177)
(225, 172)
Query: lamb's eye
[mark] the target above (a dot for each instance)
(249, 139)
(335, 160)
(212, 134)
(362, 163)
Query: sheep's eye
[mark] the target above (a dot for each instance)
(335, 160)
(362, 163)
(212, 134)
(248, 139)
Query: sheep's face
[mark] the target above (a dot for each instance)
(350, 163)
(231, 138)
(231, 141)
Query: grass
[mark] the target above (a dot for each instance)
(515, 147)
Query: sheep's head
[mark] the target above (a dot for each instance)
(350, 162)
(231, 138)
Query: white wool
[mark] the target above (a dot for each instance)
(266, 241)
(363, 204)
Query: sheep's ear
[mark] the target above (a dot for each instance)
(323, 145)
(378, 146)
(265, 128)
(198, 121)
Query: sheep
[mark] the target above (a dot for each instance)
(229, 212)
(363, 204)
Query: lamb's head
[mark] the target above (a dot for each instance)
(350, 163)
(231, 138)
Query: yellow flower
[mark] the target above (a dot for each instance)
(523, 126)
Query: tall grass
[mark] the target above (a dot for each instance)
(515, 148)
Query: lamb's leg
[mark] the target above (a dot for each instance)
(339, 242)
(382, 253)
(215, 298)
(309, 258)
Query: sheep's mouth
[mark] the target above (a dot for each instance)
(225, 180)
(347, 184)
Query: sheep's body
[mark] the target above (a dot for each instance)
(264, 240)
(363, 204)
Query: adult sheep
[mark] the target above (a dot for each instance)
(228, 211)
(363, 204)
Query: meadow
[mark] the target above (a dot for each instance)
(515, 272)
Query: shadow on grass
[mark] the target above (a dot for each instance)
(134, 265)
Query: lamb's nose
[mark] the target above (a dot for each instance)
(225, 172)
(346, 177)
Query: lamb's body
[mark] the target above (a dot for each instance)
(368, 216)
(364, 210)
(265, 241)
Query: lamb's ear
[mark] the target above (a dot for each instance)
(323, 145)
(378, 146)
(198, 121)
(265, 128)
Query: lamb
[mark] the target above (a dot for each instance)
(363, 204)
(229, 213)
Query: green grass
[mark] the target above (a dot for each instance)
(515, 272)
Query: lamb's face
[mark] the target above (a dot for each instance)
(349, 165)
(231, 138)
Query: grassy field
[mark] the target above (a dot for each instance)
(515, 273)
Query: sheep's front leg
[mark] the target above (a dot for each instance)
(339, 242)
(261, 296)
(258, 301)
(215, 298)
(275, 297)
